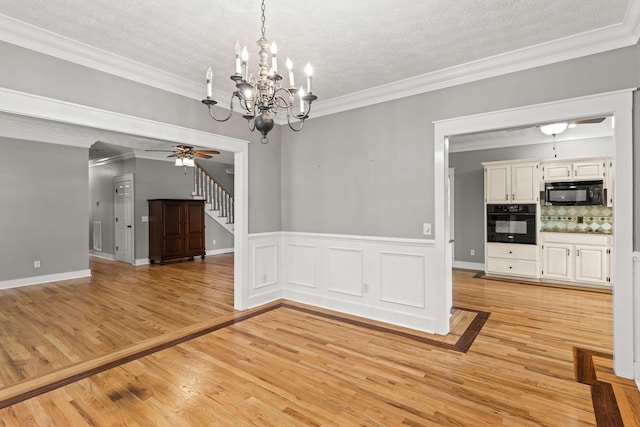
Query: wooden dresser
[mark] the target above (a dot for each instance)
(176, 229)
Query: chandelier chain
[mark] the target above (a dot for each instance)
(263, 19)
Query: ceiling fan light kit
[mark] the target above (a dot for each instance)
(554, 128)
(263, 96)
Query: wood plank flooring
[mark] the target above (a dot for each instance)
(47, 327)
(299, 367)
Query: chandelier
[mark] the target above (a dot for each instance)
(261, 97)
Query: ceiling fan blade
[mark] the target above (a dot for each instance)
(174, 155)
(207, 151)
(162, 151)
(586, 121)
(200, 155)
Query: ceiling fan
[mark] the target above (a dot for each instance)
(557, 128)
(189, 152)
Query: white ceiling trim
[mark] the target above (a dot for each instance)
(613, 37)
(460, 147)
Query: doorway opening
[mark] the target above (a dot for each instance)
(616, 104)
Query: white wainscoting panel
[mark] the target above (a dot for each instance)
(380, 278)
(264, 268)
(301, 264)
(402, 278)
(346, 271)
(265, 272)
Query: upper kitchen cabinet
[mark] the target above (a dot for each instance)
(511, 182)
(582, 169)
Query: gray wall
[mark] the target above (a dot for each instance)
(469, 185)
(45, 209)
(219, 172)
(32, 72)
(370, 171)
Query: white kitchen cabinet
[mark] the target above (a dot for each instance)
(592, 264)
(512, 182)
(608, 183)
(556, 261)
(556, 171)
(575, 169)
(512, 259)
(594, 169)
(577, 258)
(497, 183)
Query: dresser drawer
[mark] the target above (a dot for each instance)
(512, 267)
(511, 251)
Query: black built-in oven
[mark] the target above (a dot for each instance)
(512, 224)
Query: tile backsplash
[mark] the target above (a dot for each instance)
(577, 219)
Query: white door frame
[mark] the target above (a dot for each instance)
(40, 107)
(131, 259)
(617, 103)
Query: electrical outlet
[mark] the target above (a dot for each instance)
(264, 278)
(36, 264)
(365, 286)
(214, 241)
(473, 251)
(426, 229)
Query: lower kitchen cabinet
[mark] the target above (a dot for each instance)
(579, 258)
(512, 259)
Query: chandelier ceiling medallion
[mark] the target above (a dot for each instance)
(263, 96)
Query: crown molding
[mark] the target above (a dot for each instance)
(612, 37)
(579, 45)
(34, 38)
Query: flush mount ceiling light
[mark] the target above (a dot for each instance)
(554, 128)
(263, 96)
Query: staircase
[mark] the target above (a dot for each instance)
(219, 203)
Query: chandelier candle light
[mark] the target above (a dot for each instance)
(261, 98)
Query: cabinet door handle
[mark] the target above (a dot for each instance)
(514, 196)
(568, 252)
(577, 252)
(510, 252)
(568, 173)
(506, 197)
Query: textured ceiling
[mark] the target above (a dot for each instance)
(352, 45)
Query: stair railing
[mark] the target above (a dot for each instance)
(218, 198)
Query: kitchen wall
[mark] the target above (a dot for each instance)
(469, 213)
(45, 209)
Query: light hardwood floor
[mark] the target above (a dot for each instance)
(292, 365)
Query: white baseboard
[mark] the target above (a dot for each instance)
(47, 278)
(468, 265)
(141, 261)
(220, 251)
(102, 255)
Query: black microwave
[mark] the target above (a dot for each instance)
(574, 193)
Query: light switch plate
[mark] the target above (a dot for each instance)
(426, 229)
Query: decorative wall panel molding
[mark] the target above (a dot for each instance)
(402, 278)
(346, 271)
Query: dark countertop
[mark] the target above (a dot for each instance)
(610, 232)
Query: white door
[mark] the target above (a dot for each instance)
(123, 189)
